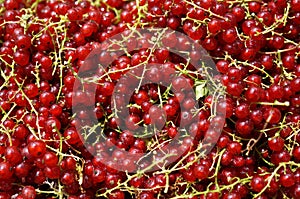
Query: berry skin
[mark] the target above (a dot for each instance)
(21, 57)
(201, 171)
(232, 195)
(13, 155)
(47, 98)
(23, 41)
(52, 172)
(272, 115)
(6, 171)
(244, 127)
(253, 94)
(276, 144)
(222, 66)
(242, 111)
(249, 63)
(296, 191)
(67, 178)
(295, 4)
(28, 192)
(296, 153)
(214, 26)
(37, 148)
(22, 169)
(287, 180)
(50, 159)
(257, 183)
(146, 195)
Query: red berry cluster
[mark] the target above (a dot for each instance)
(48, 151)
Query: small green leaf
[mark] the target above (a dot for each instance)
(201, 89)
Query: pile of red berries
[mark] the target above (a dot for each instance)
(78, 122)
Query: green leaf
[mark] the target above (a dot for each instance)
(201, 89)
